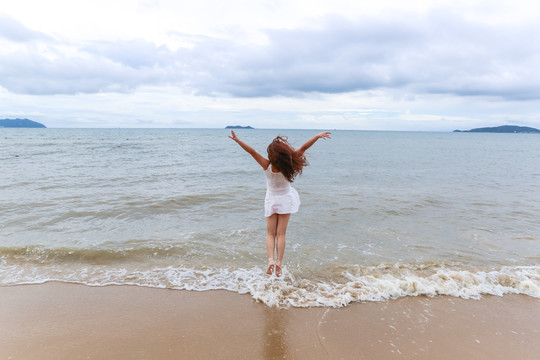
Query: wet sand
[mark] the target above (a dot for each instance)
(69, 321)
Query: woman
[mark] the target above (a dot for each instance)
(282, 200)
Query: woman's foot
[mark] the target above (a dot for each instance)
(270, 269)
(278, 270)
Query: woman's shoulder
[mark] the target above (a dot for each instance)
(272, 170)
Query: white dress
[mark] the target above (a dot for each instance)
(281, 197)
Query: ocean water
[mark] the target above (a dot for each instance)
(384, 214)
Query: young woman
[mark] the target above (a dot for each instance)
(282, 200)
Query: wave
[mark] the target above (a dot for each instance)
(297, 288)
(42, 255)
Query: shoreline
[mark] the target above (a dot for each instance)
(64, 321)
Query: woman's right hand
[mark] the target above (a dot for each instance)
(233, 136)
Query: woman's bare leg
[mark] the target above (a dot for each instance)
(281, 230)
(276, 227)
(271, 228)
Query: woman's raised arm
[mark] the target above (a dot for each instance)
(310, 142)
(258, 157)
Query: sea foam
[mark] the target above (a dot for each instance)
(358, 284)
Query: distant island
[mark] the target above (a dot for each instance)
(238, 127)
(20, 123)
(504, 129)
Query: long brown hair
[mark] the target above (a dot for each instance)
(285, 159)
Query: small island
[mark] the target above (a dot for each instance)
(20, 123)
(238, 127)
(504, 129)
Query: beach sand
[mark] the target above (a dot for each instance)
(69, 321)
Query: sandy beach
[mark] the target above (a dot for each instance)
(69, 321)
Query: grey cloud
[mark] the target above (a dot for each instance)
(340, 56)
(437, 53)
(68, 75)
(441, 53)
(91, 68)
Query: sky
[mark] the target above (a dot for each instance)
(307, 64)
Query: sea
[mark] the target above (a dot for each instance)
(384, 215)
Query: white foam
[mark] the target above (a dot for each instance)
(360, 284)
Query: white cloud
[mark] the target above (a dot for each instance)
(346, 65)
(13, 30)
(439, 53)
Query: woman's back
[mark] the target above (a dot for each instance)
(276, 183)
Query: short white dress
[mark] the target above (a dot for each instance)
(281, 197)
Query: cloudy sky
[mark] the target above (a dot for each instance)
(373, 65)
